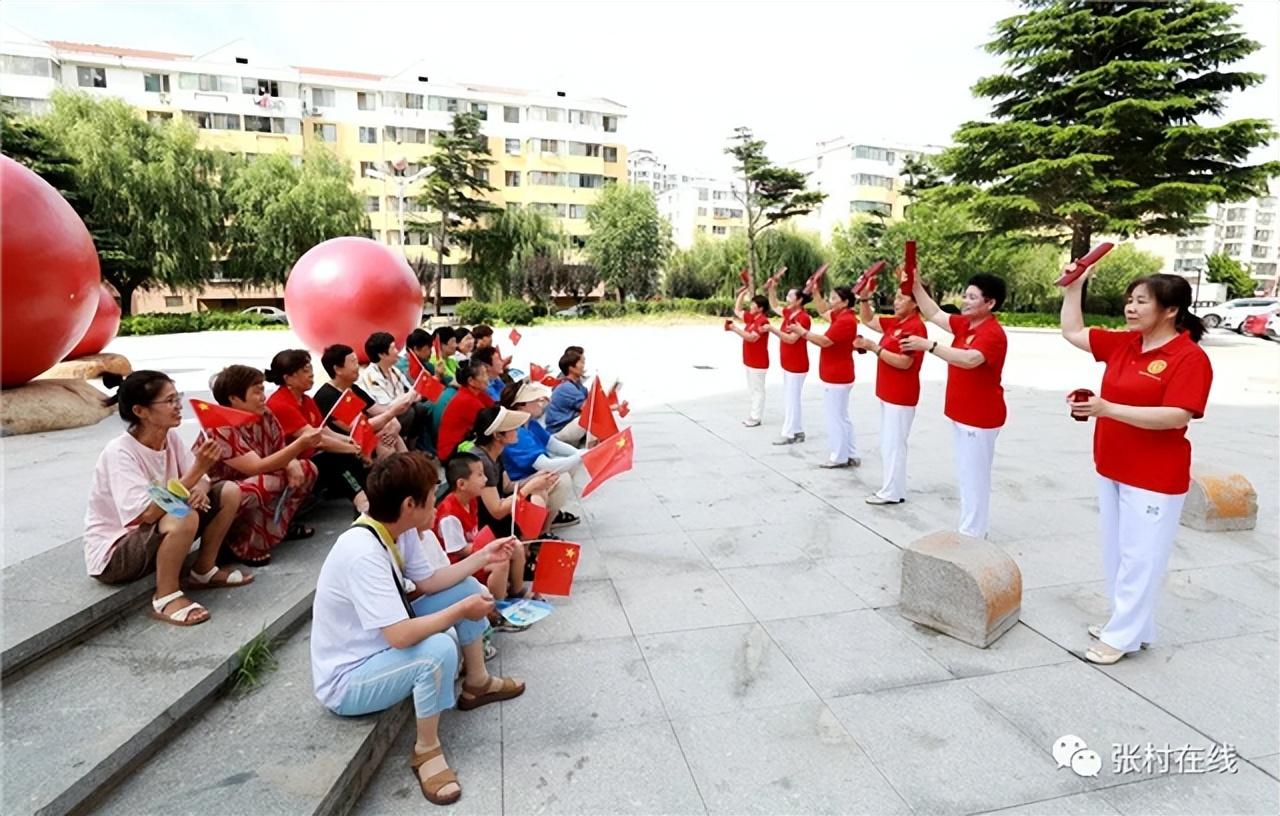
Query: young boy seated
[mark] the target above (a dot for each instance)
(458, 523)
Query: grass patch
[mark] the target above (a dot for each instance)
(256, 660)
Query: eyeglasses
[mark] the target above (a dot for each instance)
(175, 400)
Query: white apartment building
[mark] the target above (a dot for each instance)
(702, 206)
(1248, 231)
(645, 168)
(859, 176)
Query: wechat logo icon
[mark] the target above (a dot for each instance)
(1069, 751)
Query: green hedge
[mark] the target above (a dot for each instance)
(161, 323)
(1052, 320)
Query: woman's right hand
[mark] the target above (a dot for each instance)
(293, 473)
(476, 607)
(498, 551)
(309, 437)
(208, 454)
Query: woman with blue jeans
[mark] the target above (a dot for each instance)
(391, 615)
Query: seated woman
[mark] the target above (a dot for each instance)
(495, 429)
(274, 480)
(127, 535)
(384, 382)
(536, 450)
(343, 367)
(388, 608)
(471, 395)
(339, 460)
(567, 399)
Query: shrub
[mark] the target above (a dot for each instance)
(608, 308)
(514, 313)
(473, 312)
(182, 323)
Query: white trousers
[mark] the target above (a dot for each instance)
(573, 433)
(1138, 529)
(755, 390)
(835, 401)
(792, 387)
(895, 428)
(975, 450)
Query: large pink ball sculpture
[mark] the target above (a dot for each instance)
(106, 322)
(48, 275)
(345, 289)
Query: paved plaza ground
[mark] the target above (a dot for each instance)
(733, 643)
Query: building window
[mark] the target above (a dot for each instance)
(720, 195)
(726, 212)
(441, 103)
(1231, 249)
(396, 99)
(1267, 203)
(549, 146)
(702, 212)
(155, 83)
(702, 228)
(372, 204)
(173, 301)
(719, 231)
(1266, 270)
(513, 147)
(540, 114)
(368, 135)
(512, 178)
(208, 82)
(510, 114)
(365, 167)
(87, 76)
(577, 210)
(1263, 218)
(1233, 232)
(874, 154)
(26, 66)
(585, 180)
(611, 154)
(865, 180)
(214, 121)
(366, 100)
(542, 178)
(480, 109)
(405, 135)
(584, 149)
(325, 133)
(611, 124)
(876, 207)
(702, 193)
(259, 87)
(1260, 251)
(1235, 214)
(264, 124)
(323, 97)
(1262, 235)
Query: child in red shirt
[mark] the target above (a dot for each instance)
(458, 523)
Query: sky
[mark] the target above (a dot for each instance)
(690, 71)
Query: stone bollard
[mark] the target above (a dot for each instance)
(961, 586)
(1219, 501)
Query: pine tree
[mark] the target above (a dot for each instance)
(1100, 122)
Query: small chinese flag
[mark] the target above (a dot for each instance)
(415, 366)
(346, 409)
(436, 353)
(550, 381)
(746, 279)
(483, 537)
(429, 387)
(613, 396)
(608, 459)
(596, 416)
(536, 372)
(529, 517)
(514, 337)
(624, 408)
(557, 560)
(219, 416)
(363, 434)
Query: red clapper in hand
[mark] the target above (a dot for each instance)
(1081, 265)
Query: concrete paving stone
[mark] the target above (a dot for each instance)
(650, 555)
(1075, 698)
(1248, 792)
(1063, 614)
(946, 750)
(692, 600)
(478, 763)
(799, 760)
(791, 590)
(592, 612)
(1194, 682)
(573, 688)
(611, 519)
(1018, 648)
(832, 533)
(1255, 584)
(1191, 611)
(1268, 764)
(733, 512)
(599, 772)
(1014, 516)
(1199, 548)
(876, 578)
(1055, 560)
(1092, 803)
(714, 671)
(751, 546)
(853, 652)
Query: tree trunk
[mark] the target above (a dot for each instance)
(126, 291)
(440, 261)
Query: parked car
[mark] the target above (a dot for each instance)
(1229, 315)
(270, 314)
(577, 310)
(1263, 324)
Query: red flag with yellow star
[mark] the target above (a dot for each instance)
(213, 416)
(363, 434)
(346, 409)
(596, 415)
(607, 459)
(553, 574)
(415, 365)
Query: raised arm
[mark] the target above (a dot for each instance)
(865, 313)
(772, 293)
(738, 308)
(928, 306)
(1073, 327)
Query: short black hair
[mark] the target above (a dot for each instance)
(378, 344)
(508, 397)
(459, 467)
(289, 361)
(482, 331)
(334, 356)
(483, 420)
(484, 355)
(467, 370)
(398, 477)
(569, 360)
(444, 334)
(578, 349)
(235, 381)
(991, 286)
(418, 338)
(461, 332)
(136, 390)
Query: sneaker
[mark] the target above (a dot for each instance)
(876, 498)
(831, 464)
(564, 519)
(508, 626)
(787, 440)
(751, 423)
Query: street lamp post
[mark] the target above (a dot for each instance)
(402, 185)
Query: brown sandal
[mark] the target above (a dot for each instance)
(472, 698)
(431, 786)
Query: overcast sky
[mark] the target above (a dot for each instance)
(796, 72)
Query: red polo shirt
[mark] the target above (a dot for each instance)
(974, 395)
(293, 414)
(1176, 375)
(835, 362)
(458, 419)
(900, 386)
(795, 356)
(755, 354)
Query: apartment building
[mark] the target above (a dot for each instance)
(1246, 231)
(859, 177)
(702, 206)
(552, 151)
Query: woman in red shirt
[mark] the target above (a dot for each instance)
(975, 398)
(897, 385)
(793, 353)
(835, 369)
(336, 457)
(755, 349)
(1156, 381)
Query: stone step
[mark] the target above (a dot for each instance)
(271, 750)
(80, 720)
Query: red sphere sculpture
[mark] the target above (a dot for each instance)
(48, 275)
(345, 289)
(106, 322)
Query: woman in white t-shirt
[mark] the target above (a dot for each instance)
(127, 534)
(390, 613)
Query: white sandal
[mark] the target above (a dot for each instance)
(1095, 632)
(234, 578)
(179, 618)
